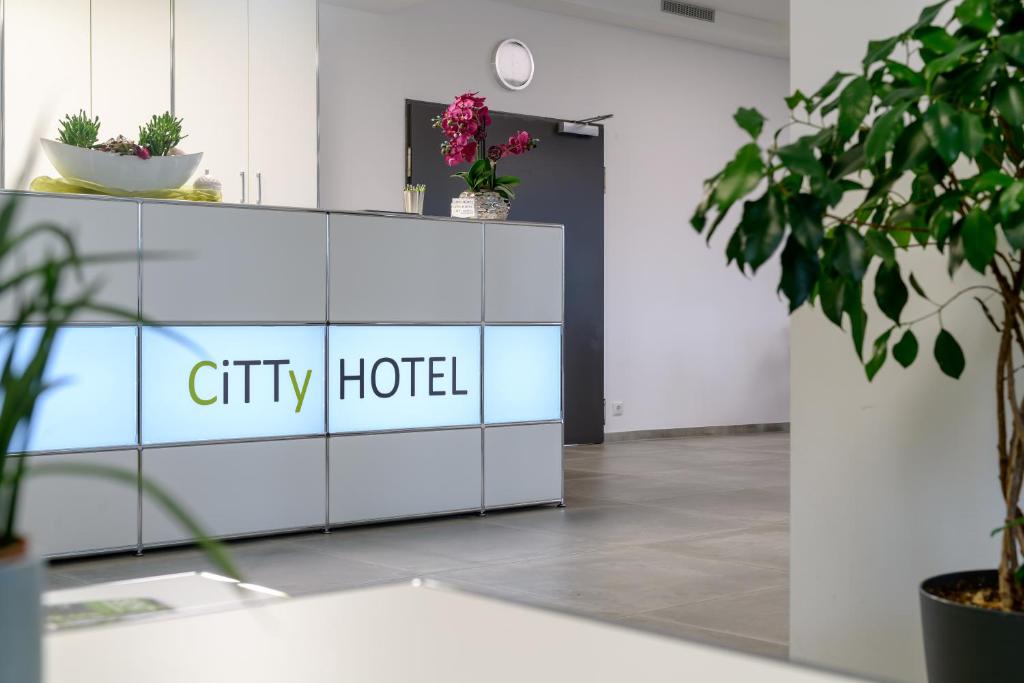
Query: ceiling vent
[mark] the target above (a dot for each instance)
(685, 9)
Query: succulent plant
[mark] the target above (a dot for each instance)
(78, 129)
(161, 134)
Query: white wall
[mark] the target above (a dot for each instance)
(688, 342)
(894, 481)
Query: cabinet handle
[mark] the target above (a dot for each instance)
(242, 173)
(259, 187)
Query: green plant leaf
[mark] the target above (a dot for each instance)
(854, 104)
(913, 148)
(826, 90)
(976, 14)
(750, 120)
(904, 73)
(805, 219)
(879, 50)
(905, 350)
(883, 134)
(1009, 100)
(917, 287)
(936, 39)
(799, 158)
(510, 180)
(763, 226)
(942, 126)
(800, 270)
(740, 176)
(950, 60)
(949, 355)
(1012, 46)
(979, 237)
(795, 100)
(849, 255)
(890, 291)
(878, 355)
(987, 182)
(880, 245)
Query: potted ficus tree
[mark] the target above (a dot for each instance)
(44, 295)
(923, 149)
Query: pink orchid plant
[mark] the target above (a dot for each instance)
(464, 125)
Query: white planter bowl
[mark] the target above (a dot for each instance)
(116, 172)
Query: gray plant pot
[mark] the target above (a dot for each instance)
(21, 586)
(965, 644)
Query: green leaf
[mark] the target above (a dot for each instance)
(950, 60)
(805, 219)
(795, 100)
(750, 120)
(800, 270)
(858, 318)
(883, 134)
(940, 224)
(936, 39)
(949, 355)
(904, 73)
(826, 90)
(740, 176)
(942, 127)
(849, 253)
(879, 50)
(880, 245)
(890, 292)
(905, 350)
(979, 236)
(1009, 100)
(799, 158)
(1012, 46)
(987, 182)
(913, 148)
(854, 104)
(506, 180)
(878, 355)
(762, 226)
(831, 291)
(917, 287)
(928, 15)
(1011, 214)
(976, 14)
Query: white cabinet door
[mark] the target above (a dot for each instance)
(131, 63)
(282, 134)
(211, 46)
(46, 75)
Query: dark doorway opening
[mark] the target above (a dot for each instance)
(562, 182)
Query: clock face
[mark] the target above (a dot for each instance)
(513, 62)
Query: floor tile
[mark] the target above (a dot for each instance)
(765, 546)
(763, 615)
(620, 581)
(728, 641)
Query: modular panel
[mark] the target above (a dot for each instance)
(404, 270)
(70, 513)
(104, 228)
(522, 464)
(237, 382)
(386, 476)
(227, 264)
(403, 377)
(522, 373)
(239, 488)
(91, 400)
(523, 266)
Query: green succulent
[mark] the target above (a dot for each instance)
(161, 134)
(78, 129)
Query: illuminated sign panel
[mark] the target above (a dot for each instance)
(522, 373)
(91, 403)
(207, 383)
(403, 377)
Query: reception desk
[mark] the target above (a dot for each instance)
(298, 369)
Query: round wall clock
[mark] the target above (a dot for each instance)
(513, 63)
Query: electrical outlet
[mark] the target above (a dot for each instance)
(617, 408)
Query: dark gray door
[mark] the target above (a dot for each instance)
(563, 182)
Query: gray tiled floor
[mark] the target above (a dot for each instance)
(687, 537)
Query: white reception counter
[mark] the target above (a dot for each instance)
(299, 369)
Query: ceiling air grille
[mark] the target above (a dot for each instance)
(685, 9)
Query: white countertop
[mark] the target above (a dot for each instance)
(394, 634)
